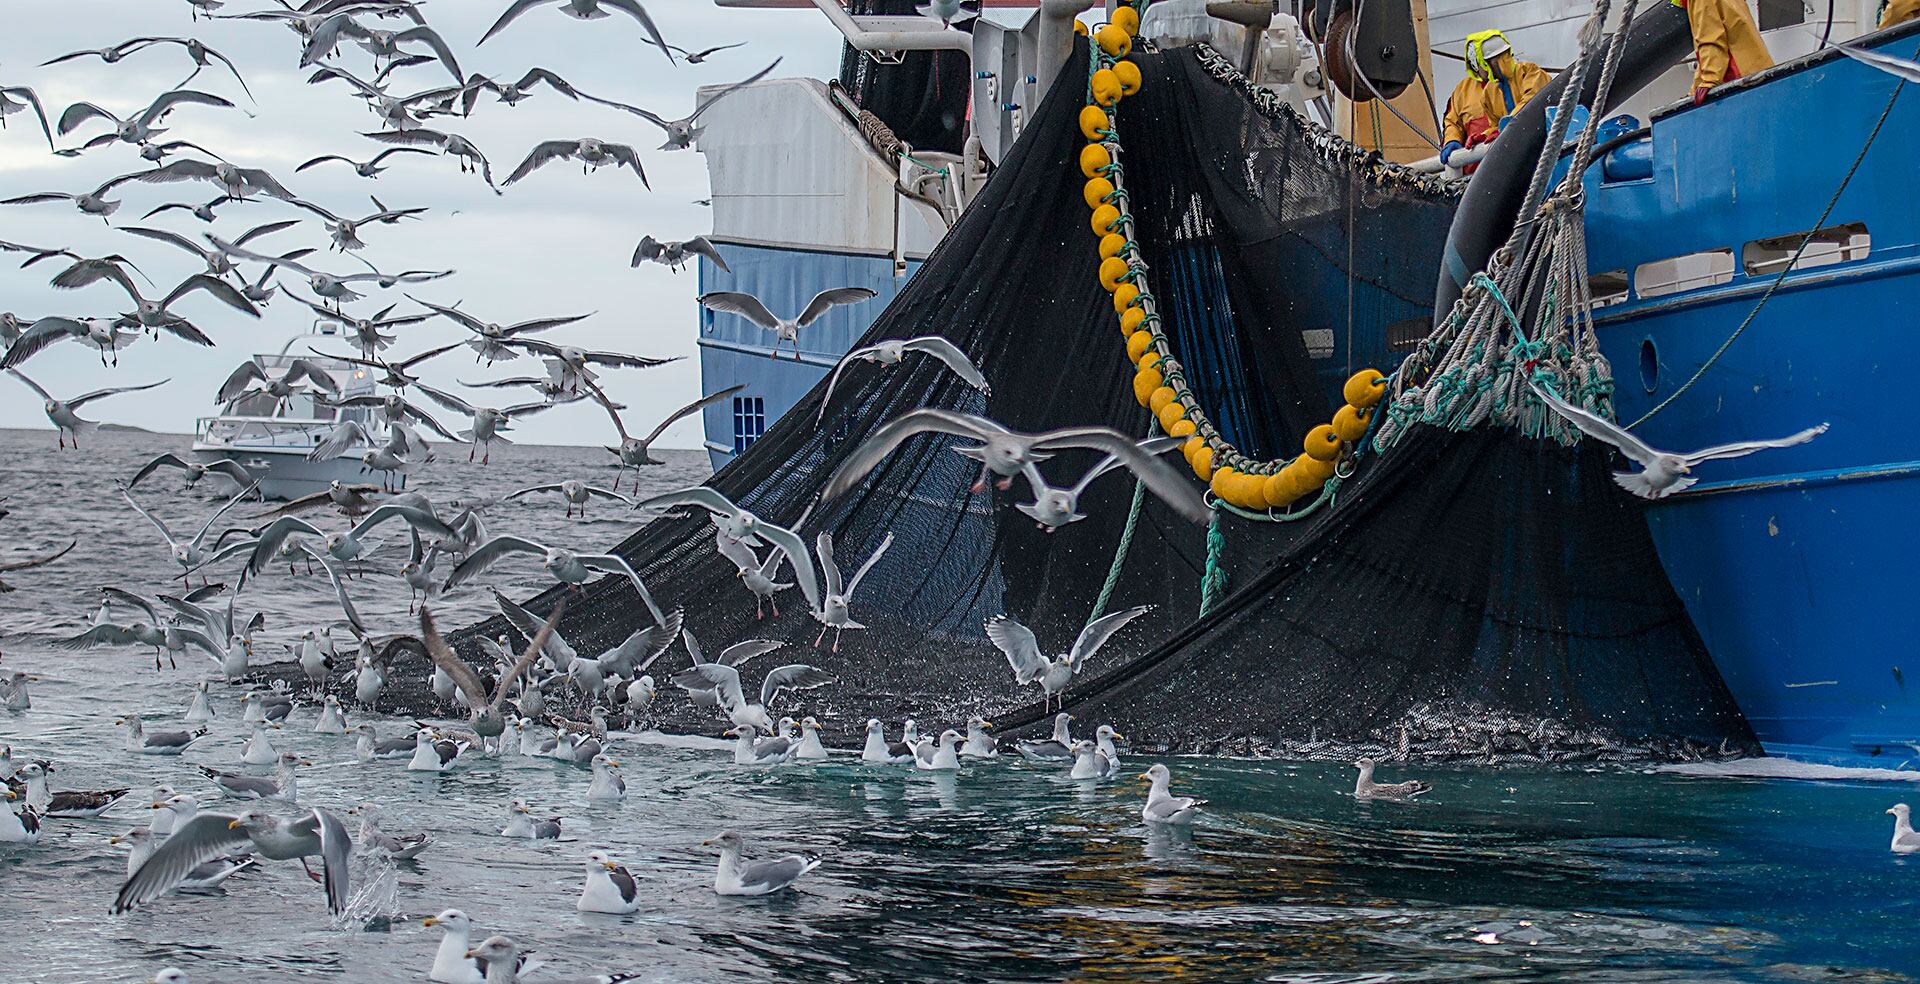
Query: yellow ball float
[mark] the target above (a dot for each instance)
(1160, 398)
(1124, 296)
(1365, 388)
(1322, 443)
(1351, 423)
(1129, 75)
(1202, 461)
(1111, 270)
(1137, 345)
(1277, 491)
(1114, 40)
(1170, 415)
(1182, 427)
(1080, 28)
(1111, 244)
(1127, 19)
(1317, 470)
(1194, 443)
(1104, 219)
(1093, 123)
(1095, 159)
(1145, 382)
(1222, 481)
(1106, 87)
(1131, 319)
(1097, 191)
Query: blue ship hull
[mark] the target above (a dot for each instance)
(1799, 565)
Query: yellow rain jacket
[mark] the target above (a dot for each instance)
(1726, 42)
(1899, 12)
(1477, 105)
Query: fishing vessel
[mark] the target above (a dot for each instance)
(271, 437)
(1721, 284)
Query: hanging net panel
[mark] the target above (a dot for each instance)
(1459, 589)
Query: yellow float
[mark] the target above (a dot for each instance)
(1093, 123)
(1365, 388)
(1322, 443)
(1098, 190)
(1351, 423)
(1111, 270)
(1138, 344)
(1094, 159)
(1129, 75)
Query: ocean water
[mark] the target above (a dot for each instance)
(1003, 872)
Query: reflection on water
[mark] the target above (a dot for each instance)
(1001, 872)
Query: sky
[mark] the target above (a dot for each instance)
(557, 243)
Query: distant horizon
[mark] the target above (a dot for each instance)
(119, 428)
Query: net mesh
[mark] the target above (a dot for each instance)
(1463, 587)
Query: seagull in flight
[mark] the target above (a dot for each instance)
(673, 256)
(892, 351)
(486, 423)
(586, 10)
(592, 153)
(138, 128)
(742, 525)
(784, 329)
(681, 133)
(365, 169)
(65, 413)
(1662, 472)
(636, 452)
(1022, 649)
(490, 341)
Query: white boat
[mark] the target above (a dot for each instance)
(271, 438)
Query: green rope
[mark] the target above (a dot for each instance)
(1213, 584)
(1120, 552)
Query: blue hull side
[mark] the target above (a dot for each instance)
(1799, 566)
(735, 351)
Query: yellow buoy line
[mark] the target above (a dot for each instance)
(1158, 382)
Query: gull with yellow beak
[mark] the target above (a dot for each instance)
(274, 838)
(610, 887)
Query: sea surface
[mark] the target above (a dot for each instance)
(1003, 872)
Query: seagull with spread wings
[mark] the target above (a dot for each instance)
(1022, 649)
(93, 202)
(1008, 453)
(833, 612)
(368, 334)
(382, 45)
(891, 351)
(681, 133)
(108, 335)
(636, 452)
(9, 106)
(512, 93)
(365, 169)
(296, 377)
(592, 153)
(572, 363)
(238, 182)
(393, 373)
(218, 263)
(202, 56)
(332, 286)
(194, 470)
(726, 680)
(275, 838)
(673, 256)
(484, 704)
(65, 413)
(189, 553)
(399, 112)
(449, 144)
(1662, 472)
(345, 232)
(490, 338)
(586, 10)
(784, 329)
(140, 127)
(742, 525)
(486, 423)
(565, 566)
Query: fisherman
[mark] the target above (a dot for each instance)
(1899, 12)
(1726, 43)
(1497, 84)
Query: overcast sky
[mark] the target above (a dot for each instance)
(557, 243)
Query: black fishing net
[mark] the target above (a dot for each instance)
(922, 97)
(1464, 585)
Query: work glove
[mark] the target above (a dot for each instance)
(1447, 151)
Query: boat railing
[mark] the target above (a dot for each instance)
(264, 432)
